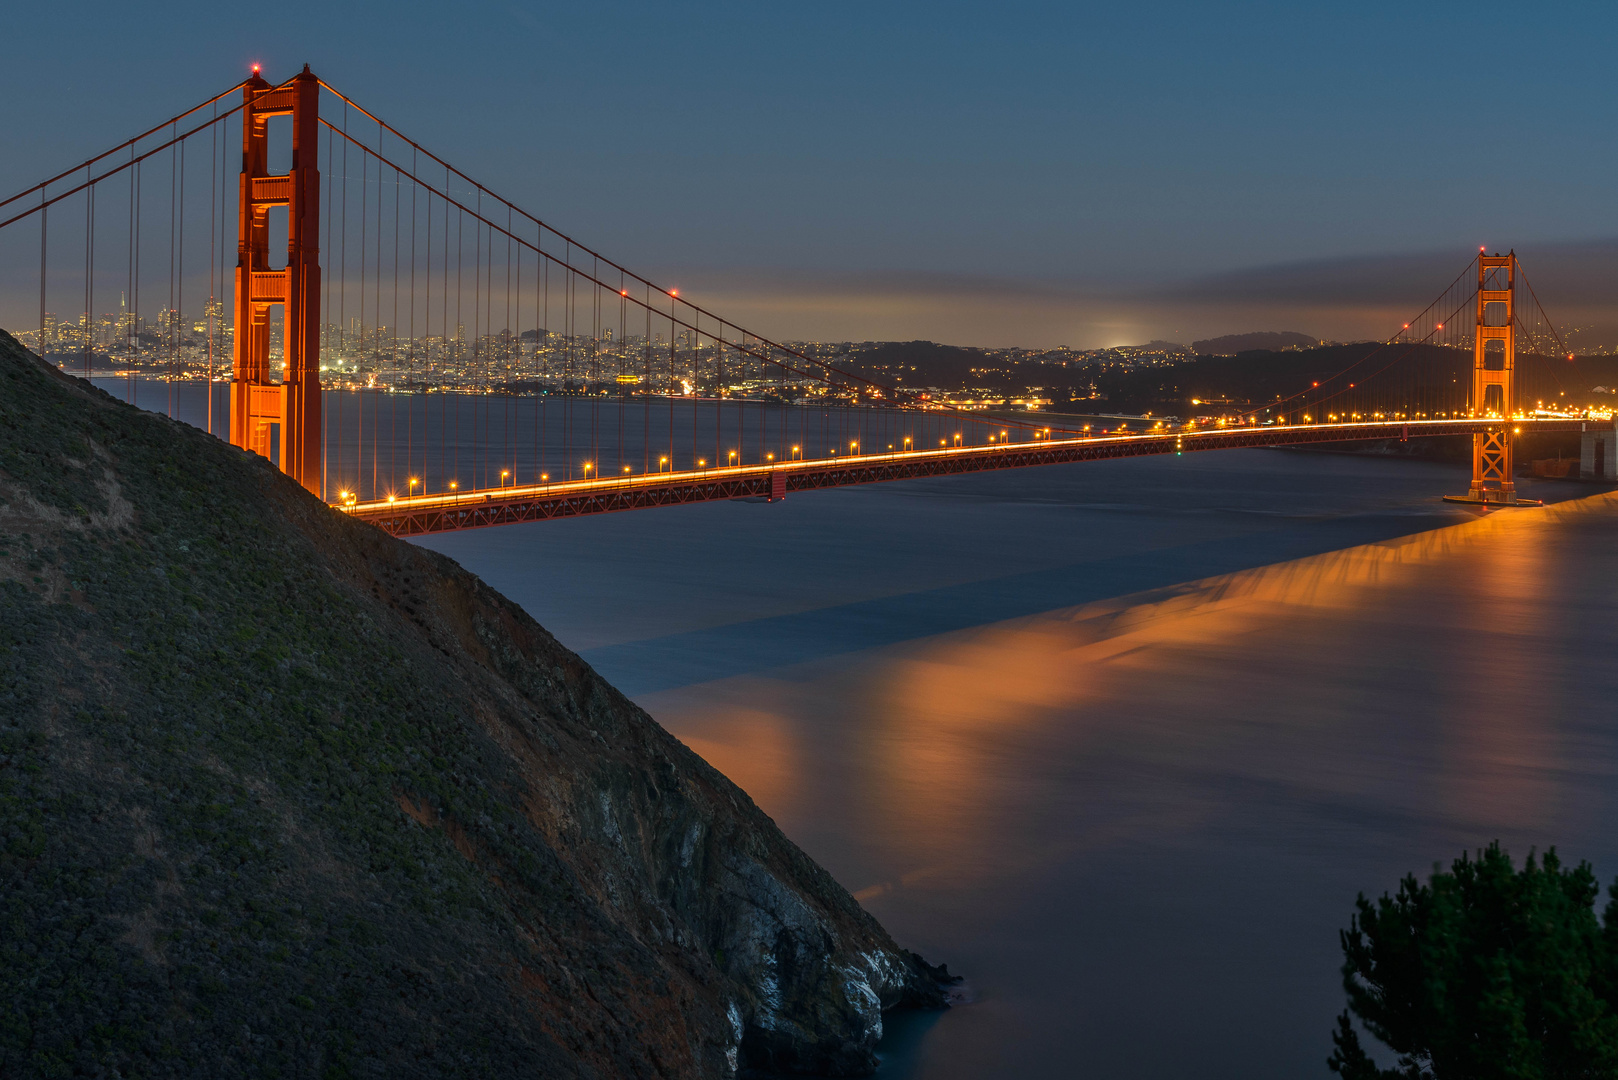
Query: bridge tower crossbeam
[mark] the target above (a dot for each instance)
(259, 407)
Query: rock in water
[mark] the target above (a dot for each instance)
(281, 795)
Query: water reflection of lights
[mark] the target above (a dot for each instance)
(1396, 676)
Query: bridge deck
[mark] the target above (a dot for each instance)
(422, 514)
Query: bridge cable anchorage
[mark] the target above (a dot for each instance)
(523, 373)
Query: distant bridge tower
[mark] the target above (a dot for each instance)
(1494, 364)
(292, 405)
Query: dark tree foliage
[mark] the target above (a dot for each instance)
(1485, 972)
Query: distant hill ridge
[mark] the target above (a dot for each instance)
(1273, 340)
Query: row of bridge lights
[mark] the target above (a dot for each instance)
(350, 498)
(1309, 418)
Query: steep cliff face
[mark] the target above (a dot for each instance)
(282, 795)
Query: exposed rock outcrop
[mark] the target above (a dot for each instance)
(279, 793)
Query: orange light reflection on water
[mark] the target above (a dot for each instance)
(1388, 675)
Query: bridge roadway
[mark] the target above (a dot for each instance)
(421, 514)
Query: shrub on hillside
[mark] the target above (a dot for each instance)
(1486, 971)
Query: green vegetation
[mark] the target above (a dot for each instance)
(204, 866)
(1485, 972)
(281, 796)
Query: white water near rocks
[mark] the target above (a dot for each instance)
(1120, 741)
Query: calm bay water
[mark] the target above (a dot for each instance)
(1119, 741)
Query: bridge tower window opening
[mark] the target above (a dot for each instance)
(1494, 354)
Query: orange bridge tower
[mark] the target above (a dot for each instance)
(1494, 362)
(264, 413)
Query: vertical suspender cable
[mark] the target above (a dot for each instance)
(547, 373)
(643, 381)
(179, 271)
(539, 344)
(393, 397)
(376, 332)
(564, 466)
(44, 233)
(513, 347)
(618, 466)
(491, 357)
(134, 297)
(595, 367)
(129, 311)
(479, 404)
(168, 315)
(89, 274)
(326, 314)
(460, 345)
(326, 343)
(443, 329)
(359, 392)
(213, 191)
(342, 301)
(410, 381)
(671, 389)
(719, 400)
(427, 345)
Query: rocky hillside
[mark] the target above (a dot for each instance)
(283, 796)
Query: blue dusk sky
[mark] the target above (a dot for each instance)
(1001, 174)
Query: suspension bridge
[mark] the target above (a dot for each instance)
(430, 356)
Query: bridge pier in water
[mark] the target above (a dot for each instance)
(1598, 451)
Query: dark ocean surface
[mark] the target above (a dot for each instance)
(1119, 741)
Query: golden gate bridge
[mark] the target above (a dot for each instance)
(368, 367)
